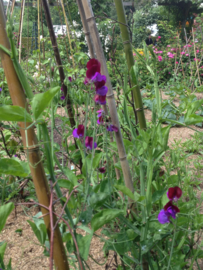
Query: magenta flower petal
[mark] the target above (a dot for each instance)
(62, 97)
(92, 62)
(174, 193)
(75, 133)
(89, 143)
(100, 99)
(112, 128)
(100, 112)
(102, 91)
(102, 170)
(163, 217)
(79, 132)
(100, 120)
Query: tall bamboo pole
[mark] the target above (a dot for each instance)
(110, 96)
(12, 7)
(31, 147)
(130, 61)
(92, 55)
(67, 27)
(38, 21)
(43, 47)
(18, 37)
(21, 29)
(58, 61)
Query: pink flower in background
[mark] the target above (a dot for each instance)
(168, 46)
(201, 74)
(159, 52)
(187, 54)
(134, 54)
(189, 45)
(197, 51)
(89, 143)
(170, 55)
(79, 132)
(169, 72)
(176, 62)
(160, 58)
(159, 37)
(201, 67)
(182, 53)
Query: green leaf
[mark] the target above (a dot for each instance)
(125, 191)
(13, 167)
(14, 113)
(96, 160)
(84, 246)
(64, 183)
(193, 119)
(5, 211)
(2, 249)
(41, 101)
(71, 176)
(97, 199)
(104, 217)
(36, 231)
(157, 195)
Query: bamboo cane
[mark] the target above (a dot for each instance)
(18, 37)
(38, 16)
(196, 56)
(58, 61)
(110, 96)
(92, 55)
(31, 146)
(21, 28)
(12, 7)
(130, 61)
(67, 27)
(43, 47)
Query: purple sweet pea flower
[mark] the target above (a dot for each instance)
(98, 78)
(102, 170)
(169, 210)
(174, 193)
(79, 132)
(62, 97)
(100, 99)
(89, 143)
(102, 91)
(112, 128)
(70, 79)
(0, 91)
(100, 120)
(100, 113)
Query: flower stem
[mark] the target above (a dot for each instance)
(169, 262)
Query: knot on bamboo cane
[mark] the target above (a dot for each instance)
(126, 42)
(140, 109)
(31, 149)
(87, 33)
(110, 96)
(122, 158)
(90, 18)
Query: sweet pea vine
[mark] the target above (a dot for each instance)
(170, 210)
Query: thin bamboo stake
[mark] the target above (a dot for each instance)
(31, 146)
(7, 7)
(38, 14)
(92, 55)
(110, 96)
(58, 61)
(12, 7)
(21, 29)
(27, 36)
(68, 59)
(18, 37)
(86, 29)
(130, 61)
(196, 56)
(43, 47)
(67, 27)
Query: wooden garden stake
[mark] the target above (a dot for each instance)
(67, 28)
(31, 146)
(110, 95)
(18, 37)
(92, 55)
(21, 29)
(58, 61)
(43, 47)
(130, 61)
(196, 56)
(38, 17)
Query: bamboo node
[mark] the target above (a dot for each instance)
(140, 109)
(87, 33)
(122, 158)
(126, 42)
(90, 18)
(31, 148)
(110, 96)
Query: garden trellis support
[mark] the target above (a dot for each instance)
(58, 61)
(92, 55)
(110, 96)
(130, 61)
(30, 145)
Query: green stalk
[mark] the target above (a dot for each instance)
(47, 148)
(172, 246)
(130, 61)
